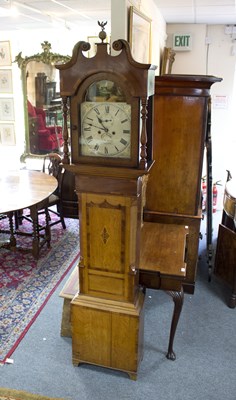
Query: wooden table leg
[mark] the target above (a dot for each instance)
(35, 242)
(178, 298)
(47, 228)
(11, 225)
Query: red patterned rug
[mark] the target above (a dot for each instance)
(26, 284)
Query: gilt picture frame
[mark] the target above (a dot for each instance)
(5, 54)
(140, 36)
(93, 40)
(6, 81)
(7, 135)
(6, 109)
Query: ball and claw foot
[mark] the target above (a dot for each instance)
(232, 301)
(171, 355)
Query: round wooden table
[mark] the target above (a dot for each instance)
(26, 189)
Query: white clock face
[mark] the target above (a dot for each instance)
(105, 129)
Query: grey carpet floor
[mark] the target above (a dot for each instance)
(205, 346)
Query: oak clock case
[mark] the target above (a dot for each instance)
(103, 117)
(108, 112)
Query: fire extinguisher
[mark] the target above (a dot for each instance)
(204, 193)
(214, 196)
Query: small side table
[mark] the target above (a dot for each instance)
(163, 266)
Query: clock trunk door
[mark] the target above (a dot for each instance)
(109, 238)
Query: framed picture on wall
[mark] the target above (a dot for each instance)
(6, 109)
(92, 40)
(5, 54)
(93, 48)
(5, 81)
(7, 135)
(139, 35)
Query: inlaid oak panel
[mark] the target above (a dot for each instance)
(109, 240)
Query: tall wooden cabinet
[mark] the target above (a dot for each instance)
(180, 120)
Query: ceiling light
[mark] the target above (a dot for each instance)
(71, 9)
(30, 8)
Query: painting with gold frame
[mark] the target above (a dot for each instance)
(140, 35)
(92, 40)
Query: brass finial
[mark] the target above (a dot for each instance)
(102, 35)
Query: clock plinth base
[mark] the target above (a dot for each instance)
(108, 333)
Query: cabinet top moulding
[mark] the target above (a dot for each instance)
(194, 85)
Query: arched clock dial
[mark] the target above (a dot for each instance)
(105, 129)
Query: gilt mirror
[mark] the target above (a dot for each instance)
(42, 102)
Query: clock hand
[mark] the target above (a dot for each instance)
(101, 122)
(99, 127)
(106, 129)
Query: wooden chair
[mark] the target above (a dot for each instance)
(167, 61)
(52, 165)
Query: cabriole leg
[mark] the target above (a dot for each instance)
(178, 298)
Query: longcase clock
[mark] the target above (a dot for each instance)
(107, 98)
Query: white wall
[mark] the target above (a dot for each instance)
(189, 62)
(213, 59)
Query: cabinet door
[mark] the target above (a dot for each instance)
(108, 229)
(178, 143)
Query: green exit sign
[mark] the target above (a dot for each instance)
(182, 42)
